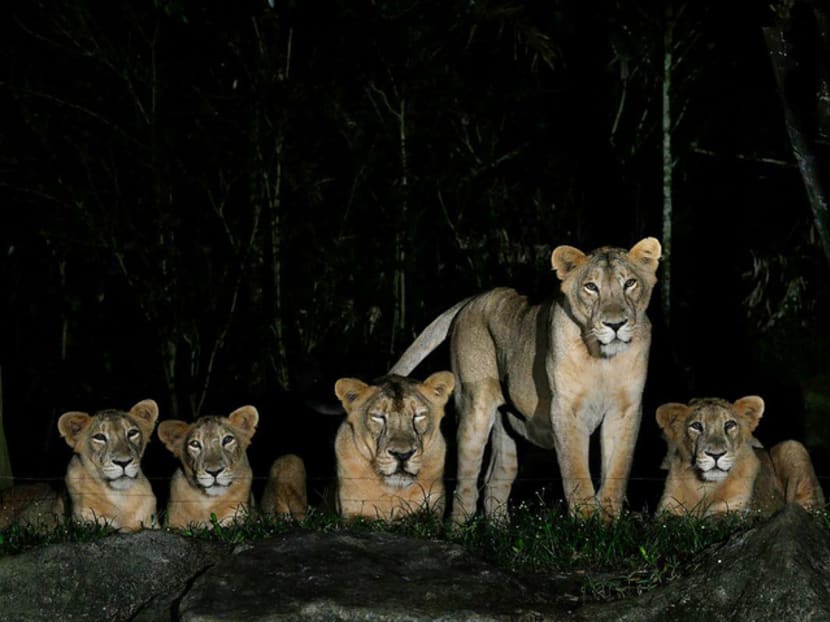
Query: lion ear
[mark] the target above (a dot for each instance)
(646, 253)
(348, 390)
(439, 386)
(172, 433)
(669, 414)
(751, 407)
(565, 259)
(70, 426)
(146, 412)
(245, 418)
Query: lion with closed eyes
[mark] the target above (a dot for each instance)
(390, 450)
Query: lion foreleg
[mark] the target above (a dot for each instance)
(572, 440)
(500, 473)
(618, 436)
(477, 406)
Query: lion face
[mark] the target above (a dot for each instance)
(111, 443)
(212, 450)
(607, 291)
(395, 421)
(709, 433)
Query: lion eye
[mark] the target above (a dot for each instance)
(194, 445)
(99, 437)
(379, 418)
(630, 283)
(592, 287)
(420, 416)
(697, 426)
(131, 434)
(729, 425)
(227, 440)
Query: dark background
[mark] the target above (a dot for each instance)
(214, 204)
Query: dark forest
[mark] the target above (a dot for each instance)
(220, 204)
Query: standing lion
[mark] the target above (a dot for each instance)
(560, 370)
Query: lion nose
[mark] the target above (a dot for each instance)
(615, 326)
(401, 456)
(715, 456)
(214, 472)
(122, 463)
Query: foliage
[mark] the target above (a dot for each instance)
(18, 538)
(629, 556)
(214, 204)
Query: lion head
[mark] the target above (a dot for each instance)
(709, 433)
(111, 442)
(396, 420)
(212, 449)
(608, 290)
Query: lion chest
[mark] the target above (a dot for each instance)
(188, 503)
(126, 509)
(590, 388)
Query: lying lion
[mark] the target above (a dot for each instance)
(215, 476)
(715, 464)
(390, 450)
(285, 491)
(104, 481)
(104, 478)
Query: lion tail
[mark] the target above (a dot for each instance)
(429, 339)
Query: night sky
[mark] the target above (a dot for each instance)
(214, 205)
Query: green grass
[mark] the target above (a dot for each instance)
(627, 557)
(18, 538)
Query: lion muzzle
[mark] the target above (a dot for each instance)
(120, 473)
(714, 466)
(214, 481)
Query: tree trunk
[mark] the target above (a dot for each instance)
(401, 238)
(6, 476)
(668, 164)
(783, 63)
(273, 194)
(274, 208)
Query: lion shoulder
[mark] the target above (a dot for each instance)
(37, 506)
(285, 490)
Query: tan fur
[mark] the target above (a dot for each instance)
(558, 369)
(37, 506)
(716, 465)
(390, 450)
(215, 476)
(285, 491)
(104, 479)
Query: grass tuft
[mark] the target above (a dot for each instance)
(627, 557)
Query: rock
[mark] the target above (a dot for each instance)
(780, 570)
(361, 576)
(122, 577)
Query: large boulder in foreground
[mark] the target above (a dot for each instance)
(362, 576)
(136, 577)
(779, 570)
